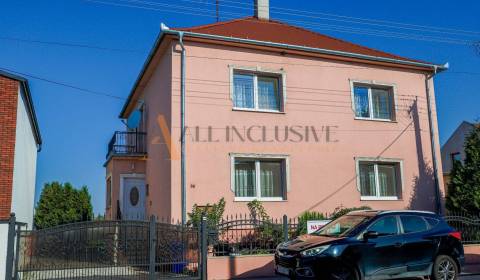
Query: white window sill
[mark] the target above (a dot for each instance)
(379, 198)
(375, 120)
(257, 110)
(264, 199)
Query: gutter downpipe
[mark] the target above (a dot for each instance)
(433, 146)
(183, 182)
(182, 117)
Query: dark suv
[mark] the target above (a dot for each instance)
(375, 245)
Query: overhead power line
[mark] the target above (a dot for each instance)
(65, 44)
(149, 5)
(64, 84)
(340, 18)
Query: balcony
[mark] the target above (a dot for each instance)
(124, 143)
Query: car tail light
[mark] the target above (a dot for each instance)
(456, 234)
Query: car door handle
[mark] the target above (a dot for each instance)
(399, 244)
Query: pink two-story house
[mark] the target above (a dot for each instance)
(273, 112)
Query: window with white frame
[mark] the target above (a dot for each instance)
(379, 180)
(257, 91)
(259, 178)
(374, 102)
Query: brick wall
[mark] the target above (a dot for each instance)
(8, 120)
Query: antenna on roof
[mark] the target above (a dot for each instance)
(217, 4)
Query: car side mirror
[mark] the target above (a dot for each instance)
(370, 235)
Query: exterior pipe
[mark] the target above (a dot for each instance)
(182, 117)
(183, 176)
(438, 200)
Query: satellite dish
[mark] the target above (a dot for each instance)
(133, 120)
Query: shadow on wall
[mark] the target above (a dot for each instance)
(423, 185)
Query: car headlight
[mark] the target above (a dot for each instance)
(314, 251)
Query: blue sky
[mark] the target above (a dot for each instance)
(76, 126)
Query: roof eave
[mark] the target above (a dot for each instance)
(142, 72)
(30, 108)
(432, 67)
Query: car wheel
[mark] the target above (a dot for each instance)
(445, 268)
(344, 272)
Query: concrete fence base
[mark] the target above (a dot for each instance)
(238, 267)
(472, 259)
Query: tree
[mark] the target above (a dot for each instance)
(62, 204)
(463, 192)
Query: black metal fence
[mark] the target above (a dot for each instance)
(127, 142)
(111, 250)
(247, 235)
(467, 224)
(156, 249)
(12, 244)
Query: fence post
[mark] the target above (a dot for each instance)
(152, 245)
(285, 228)
(204, 247)
(17, 252)
(10, 246)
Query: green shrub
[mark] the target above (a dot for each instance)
(257, 211)
(213, 213)
(307, 216)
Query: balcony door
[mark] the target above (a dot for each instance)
(133, 206)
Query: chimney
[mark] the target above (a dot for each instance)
(262, 9)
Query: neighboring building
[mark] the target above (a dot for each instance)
(368, 106)
(453, 149)
(19, 143)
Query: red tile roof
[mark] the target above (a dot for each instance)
(279, 32)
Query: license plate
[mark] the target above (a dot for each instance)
(283, 270)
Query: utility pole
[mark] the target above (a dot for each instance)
(218, 9)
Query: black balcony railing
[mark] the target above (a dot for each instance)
(127, 143)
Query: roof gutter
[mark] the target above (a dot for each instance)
(434, 67)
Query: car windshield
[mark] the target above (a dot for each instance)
(341, 226)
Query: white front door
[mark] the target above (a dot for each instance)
(133, 199)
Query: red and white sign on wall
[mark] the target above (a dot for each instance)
(313, 226)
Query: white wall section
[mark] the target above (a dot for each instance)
(25, 162)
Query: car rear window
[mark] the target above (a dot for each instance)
(432, 222)
(413, 224)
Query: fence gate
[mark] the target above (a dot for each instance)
(111, 250)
